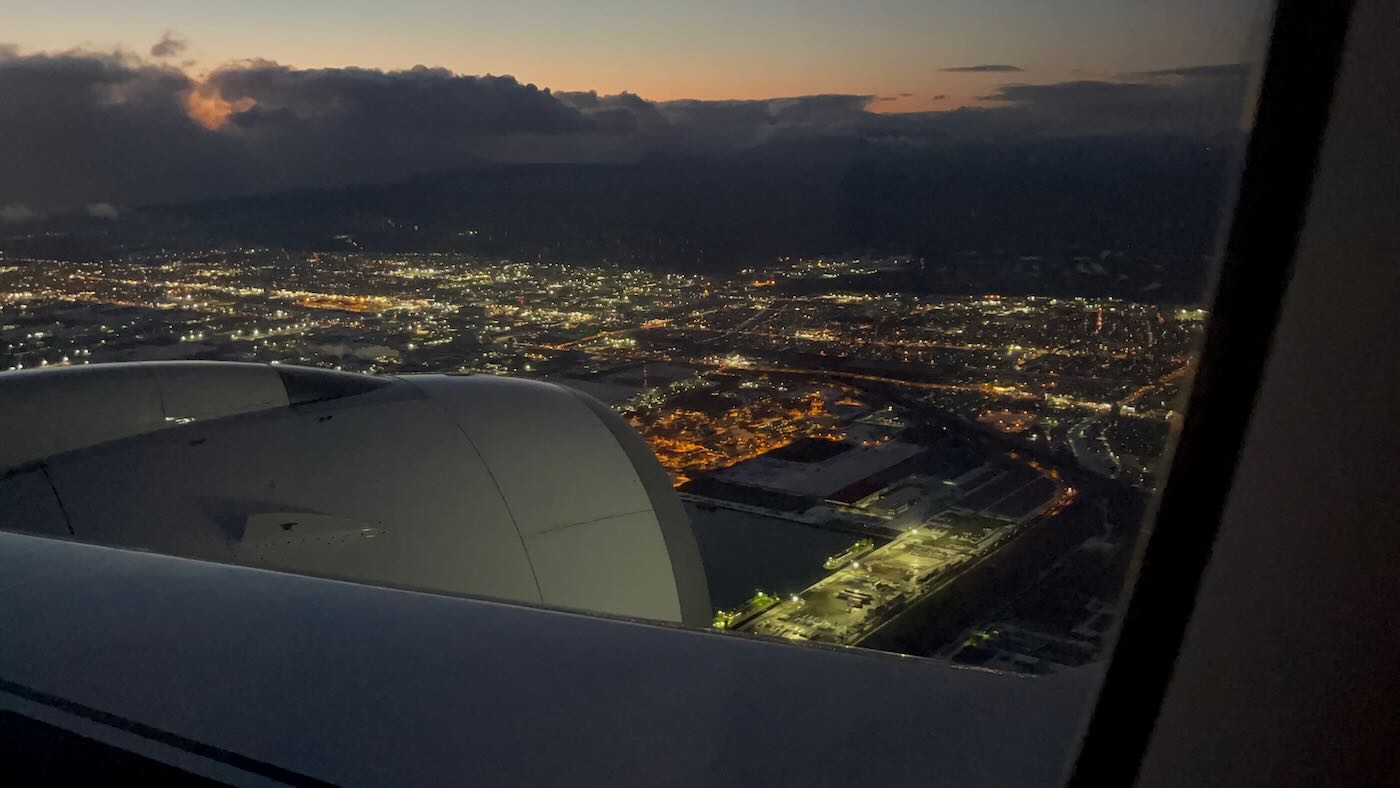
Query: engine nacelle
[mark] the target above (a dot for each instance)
(472, 484)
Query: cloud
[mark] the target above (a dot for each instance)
(15, 212)
(994, 68)
(344, 125)
(1225, 70)
(619, 113)
(939, 97)
(103, 210)
(430, 100)
(81, 128)
(169, 45)
(1198, 101)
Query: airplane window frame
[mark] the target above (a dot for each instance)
(1292, 109)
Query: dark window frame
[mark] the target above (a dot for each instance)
(1293, 105)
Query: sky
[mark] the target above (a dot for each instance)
(108, 105)
(668, 49)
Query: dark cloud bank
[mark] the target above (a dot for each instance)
(1139, 163)
(169, 45)
(81, 127)
(989, 68)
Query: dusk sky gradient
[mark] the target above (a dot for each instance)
(668, 49)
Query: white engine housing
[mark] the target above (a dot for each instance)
(489, 486)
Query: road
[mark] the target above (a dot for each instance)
(1090, 447)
